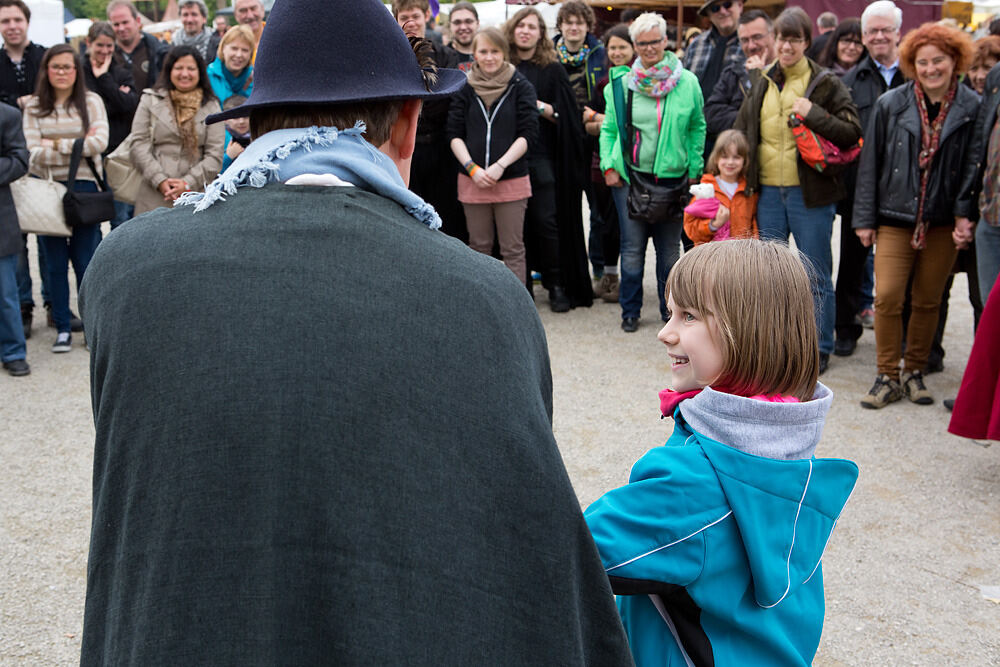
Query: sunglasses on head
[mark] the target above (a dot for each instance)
(715, 9)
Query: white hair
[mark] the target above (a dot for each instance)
(886, 9)
(646, 22)
(827, 20)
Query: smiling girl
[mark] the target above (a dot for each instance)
(735, 215)
(699, 543)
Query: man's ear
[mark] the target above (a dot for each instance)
(403, 138)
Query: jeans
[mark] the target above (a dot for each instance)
(24, 275)
(634, 239)
(59, 252)
(123, 213)
(987, 257)
(780, 212)
(11, 329)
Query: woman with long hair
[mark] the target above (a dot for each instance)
(905, 202)
(231, 73)
(844, 49)
(491, 122)
(172, 146)
(61, 111)
(554, 221)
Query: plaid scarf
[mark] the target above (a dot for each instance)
(930, 137)
(658, 80)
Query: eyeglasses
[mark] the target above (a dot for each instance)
(62, 69)
(791, 40)
(649, 45)
(871, 32)
(756, 39)
(847, 40)
(463, 22)
(715, 9)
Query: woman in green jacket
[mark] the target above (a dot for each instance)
(654, 132)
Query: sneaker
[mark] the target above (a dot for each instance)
(17, 367)
(915, 390)
(64, 342)
(883, 392)
(609, 288)
(630, 324)
(866, 318)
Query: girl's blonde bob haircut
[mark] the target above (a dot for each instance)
(729, 138)
(756, 298)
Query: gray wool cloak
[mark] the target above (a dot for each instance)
(324, 437)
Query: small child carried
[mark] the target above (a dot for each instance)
(720, 208)
(714, 545)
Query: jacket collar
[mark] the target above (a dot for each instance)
(963, 109)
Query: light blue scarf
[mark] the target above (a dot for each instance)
(283, 154)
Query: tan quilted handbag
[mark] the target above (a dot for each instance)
(39, 205)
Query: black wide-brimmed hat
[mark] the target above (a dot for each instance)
(336, 52)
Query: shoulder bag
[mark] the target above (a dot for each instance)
(86, 208)
(649, 199)
(38, 202)
(123, 178)
(817, 151)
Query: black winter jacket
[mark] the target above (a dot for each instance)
(866, 85)
(967, 203)
(513, 115)
(723, 105)
(888, 174)
(10, 89)
(119, 104)
(833, 116)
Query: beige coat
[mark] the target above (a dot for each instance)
(156, 148)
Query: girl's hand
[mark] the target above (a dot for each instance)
(482, 179)
(802, 107)
(866, 236)
(495, 172)
(233, 150)
(721, 218)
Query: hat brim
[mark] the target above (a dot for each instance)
(449, 81)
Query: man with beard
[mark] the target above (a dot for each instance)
(464, 22)
(194, 31)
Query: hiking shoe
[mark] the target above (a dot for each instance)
(914, 388)
(630, 324)
(866, 318)
(17, 367)
(883, 392)
(609, 288)
(64, 342)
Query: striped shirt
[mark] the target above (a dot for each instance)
(63, 126)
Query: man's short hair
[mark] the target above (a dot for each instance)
(259, 2)
(403, 5)
(20, 5)
(827, 20)
(886, 9)
(752, 15)
(115, 4)
(467, 6)
(580, 10)
(197, 3)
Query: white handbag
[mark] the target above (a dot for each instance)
(39, 206)
(123, 178)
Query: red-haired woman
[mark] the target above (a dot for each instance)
(908, 180)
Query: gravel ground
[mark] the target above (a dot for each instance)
(918, 539)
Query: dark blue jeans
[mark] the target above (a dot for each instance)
(11, 329)
(634, 240)
(59, 252)
(780, 212)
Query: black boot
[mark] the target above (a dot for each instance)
(26, 309)
(558, 300)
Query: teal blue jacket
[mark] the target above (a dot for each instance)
(715, 553)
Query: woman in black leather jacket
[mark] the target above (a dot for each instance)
(908, 181)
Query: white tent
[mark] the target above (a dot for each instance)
(78, 27)
(46, 27)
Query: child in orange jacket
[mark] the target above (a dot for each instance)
(731, 214)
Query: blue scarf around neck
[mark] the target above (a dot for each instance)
(283, 154)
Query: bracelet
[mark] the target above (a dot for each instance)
(468, 163)
(541, 108)
(473, 170)
(501, 165)
(593, 116)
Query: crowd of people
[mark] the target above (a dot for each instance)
(616, 118)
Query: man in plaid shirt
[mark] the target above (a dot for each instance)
(710, 52)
